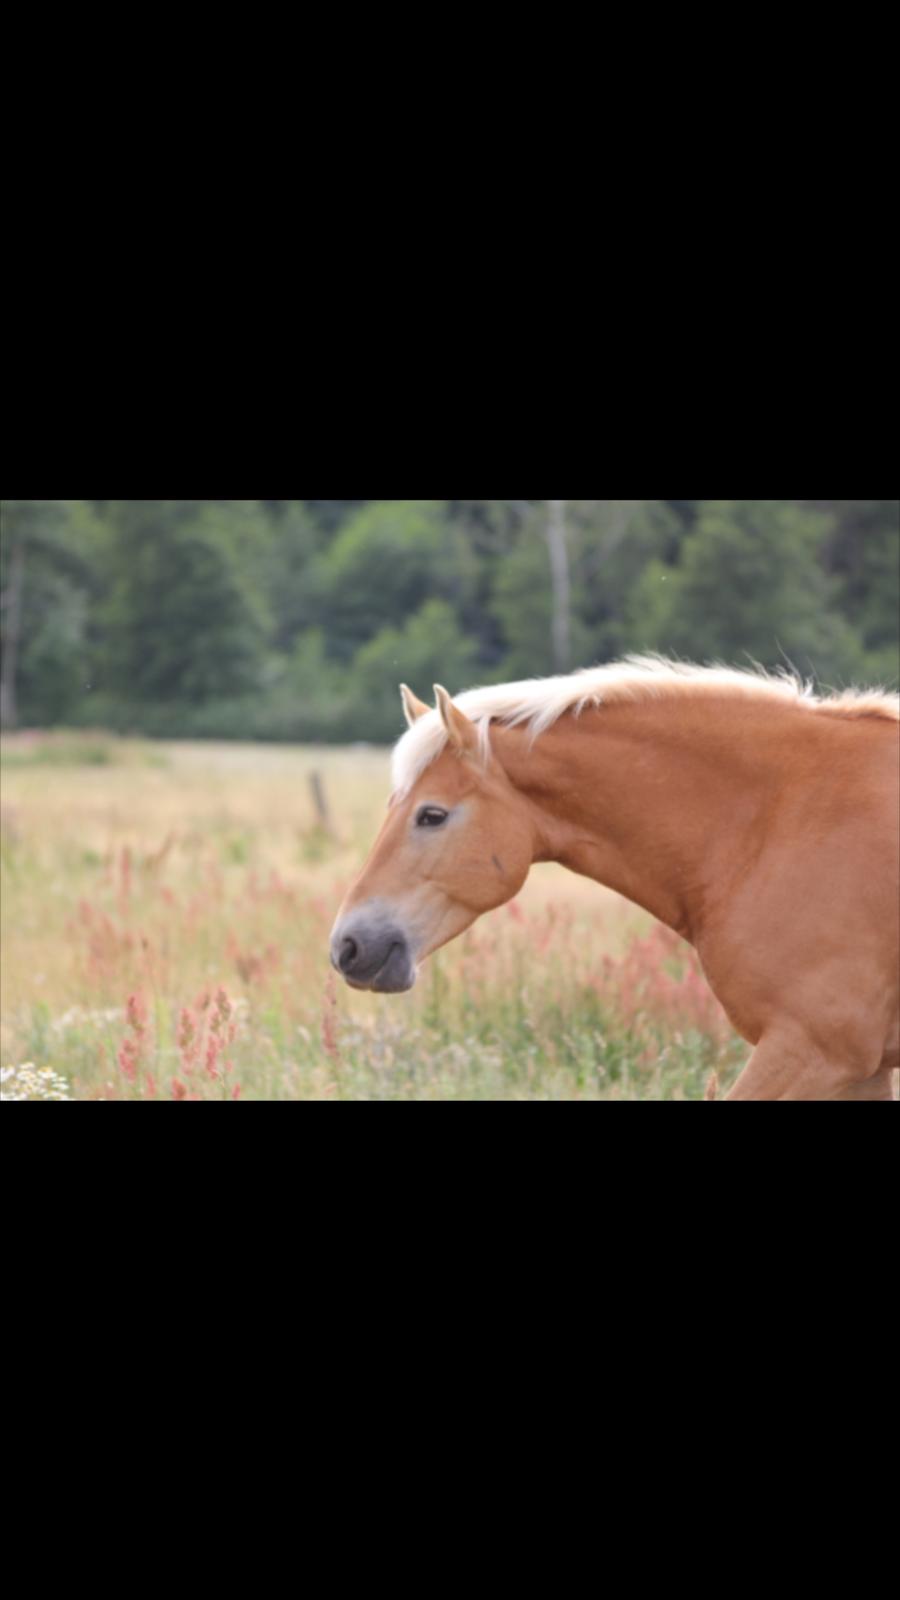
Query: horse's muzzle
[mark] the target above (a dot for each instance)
(373, 956)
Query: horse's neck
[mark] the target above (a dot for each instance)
(647, 799)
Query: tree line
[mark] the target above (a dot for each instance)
(297, 619)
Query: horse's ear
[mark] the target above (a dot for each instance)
(462, 733)
(412, 705)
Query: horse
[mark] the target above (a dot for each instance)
(756, 818)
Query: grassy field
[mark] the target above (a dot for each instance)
(165, 921)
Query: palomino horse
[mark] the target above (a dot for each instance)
(758, 821)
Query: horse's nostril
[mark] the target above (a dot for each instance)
(349, 952)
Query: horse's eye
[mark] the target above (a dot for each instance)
(431, 817)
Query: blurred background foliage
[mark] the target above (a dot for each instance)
(296, 619)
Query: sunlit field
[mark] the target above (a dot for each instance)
(165, 921)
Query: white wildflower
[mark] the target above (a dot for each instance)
(29, 1082)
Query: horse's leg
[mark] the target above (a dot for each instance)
(879, 1087)
(788, 1065)
(886, 1082)
(780, 1068)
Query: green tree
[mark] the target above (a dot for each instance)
(863, 553)
(609, 544)
(186, 622)
(382, 567)
(750, 583)
(48, 568)
(429, 649)
(296, 619)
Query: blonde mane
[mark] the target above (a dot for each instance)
(540, 702)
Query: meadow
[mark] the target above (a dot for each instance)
(165, 919)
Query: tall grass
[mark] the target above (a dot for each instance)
(165, 937)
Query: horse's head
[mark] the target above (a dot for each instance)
(458, 842)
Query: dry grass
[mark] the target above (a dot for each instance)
(165, 919)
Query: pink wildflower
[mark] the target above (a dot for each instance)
(329, 1020)
(137, 1013)
(128, 1059)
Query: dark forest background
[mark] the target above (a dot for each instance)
(297, 619)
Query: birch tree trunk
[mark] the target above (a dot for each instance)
(562, 586)
(12, 626)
